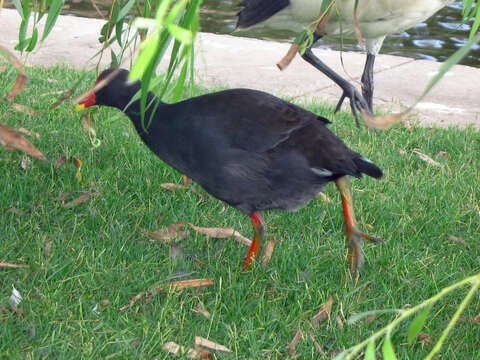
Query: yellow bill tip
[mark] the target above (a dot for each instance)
(79, 107)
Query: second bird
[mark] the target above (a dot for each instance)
(376, 20)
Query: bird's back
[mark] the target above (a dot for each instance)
(376, 18)
(251, 149)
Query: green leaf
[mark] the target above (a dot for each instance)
(180, 82)
(181, 34)
(53, 12)
(144, 23)
(115, 61)
(353, 319)
(467, 7)
(370, 351)
(33, 40)
(146, 54)
(341, 356)
(162, 11)
(18, 6)
(119, 31)
(417, 325)
(476, 23)
(175, 12)
(22, 32)
(325, 5)
(387, 350)
(124, 11)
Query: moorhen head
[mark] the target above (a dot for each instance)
(247, 148)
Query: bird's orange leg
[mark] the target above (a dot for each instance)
(258, 234)
(354, 236)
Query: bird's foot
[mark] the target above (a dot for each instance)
(355, 253)
(357, 102)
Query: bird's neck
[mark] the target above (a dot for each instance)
(152, 114)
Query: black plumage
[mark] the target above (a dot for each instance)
(248, 148)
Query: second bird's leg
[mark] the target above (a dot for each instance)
(258, 235)
(353, 234)
(356, 99)
(367, 81)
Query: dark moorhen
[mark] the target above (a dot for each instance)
(248, 148)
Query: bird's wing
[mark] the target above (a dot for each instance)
(257, 122)
(256, 11)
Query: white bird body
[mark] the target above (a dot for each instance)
(376, 18)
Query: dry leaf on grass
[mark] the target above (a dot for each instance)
(339, 322)
(425, 339)
(293, 344)
(175, 349)
(79, 200)
(13, 266)
(323, 313)
(267, 256)
(187, 181)
(318, 347)
(427, 158)
(457, 240)
(21, 78)
(25, 109)
(16, 211)
(3, 68)
(324, 197)
(57, 92)
(29, 133)
(382, 121)
(173, 286)
(200, 341)
(475, 320)
(84, 197)
(200, 308)
(443, 154)
(60, 161)
(222, 233)
(5, 310)
(10, 139)
(173, 186)
(174, 231)
(48, 248)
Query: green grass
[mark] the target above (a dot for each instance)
(98, 252)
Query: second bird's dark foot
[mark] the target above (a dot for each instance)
(357, 103)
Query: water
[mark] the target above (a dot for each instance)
(435, 40)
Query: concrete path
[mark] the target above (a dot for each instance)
(240, 62)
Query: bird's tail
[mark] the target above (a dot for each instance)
(367, 167)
